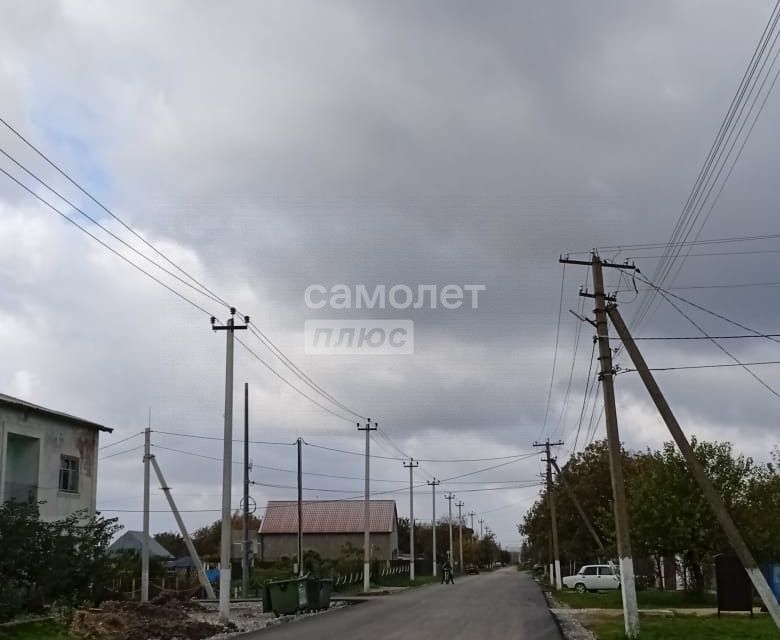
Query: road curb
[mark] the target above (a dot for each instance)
(557, 622)
(569, 628)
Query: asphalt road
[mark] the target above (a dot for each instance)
(500, 605)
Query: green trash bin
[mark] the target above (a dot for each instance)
(286, 597)
(326, 588)
(319, 590)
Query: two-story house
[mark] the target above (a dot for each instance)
(49, 457)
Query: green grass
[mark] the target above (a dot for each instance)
(45, 630)
(649, 599)
(686, 627)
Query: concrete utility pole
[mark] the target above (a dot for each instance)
(412, 464)
(226, 542)
(300, 506)
(556, 578)
(580, 510)
(460, 532)
(245, 546)
(697, 470)
(471, 515)
(145, 543)
(433, 484)
(449, 497)
(606, 376)
(481, 521)
(204, 581)
(366, 509)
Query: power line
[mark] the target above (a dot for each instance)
(288, 383)
(496, 466)
(62, 172)
(105, 229)
(431, 460)
(200, 288)
(119, 453)
(708, 366)
(585, 396)
(555, 351)
(715, 314)
(729, 337)
(105, 245)
(255, 465)
(713, 254)
(113, 444)
(298, 372)
(660, 245)
(708, 176)
(199, 437)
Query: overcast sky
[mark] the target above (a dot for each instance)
(269, 146)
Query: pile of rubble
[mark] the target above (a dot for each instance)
(162, 619)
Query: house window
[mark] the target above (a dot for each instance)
(69, 474)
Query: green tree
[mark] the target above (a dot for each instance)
(172, 542)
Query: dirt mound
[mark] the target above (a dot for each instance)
(115, 620)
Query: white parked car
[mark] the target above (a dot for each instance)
(593, 577)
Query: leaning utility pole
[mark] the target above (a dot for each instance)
(460, 532)
(573, 497)
(433, 484)
(204, 581)
(366, 509)
(557, 579)
(606, 376)
(300, 506)
(697, 470)
(449, 497)
(145, 543)
(412, 464)
(226, 542)
(245, 546)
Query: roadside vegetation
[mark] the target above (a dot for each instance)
(42, 630)
(648, 599)
(53, 564)
(686, 627)
(669, 516)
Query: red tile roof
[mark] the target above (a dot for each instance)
(328, 516)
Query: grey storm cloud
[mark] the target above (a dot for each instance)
(270, 146)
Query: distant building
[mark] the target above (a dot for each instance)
(237, 547)
(48, 456)
(134, 541)
(328, 526)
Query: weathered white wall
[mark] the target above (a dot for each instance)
(56, 438)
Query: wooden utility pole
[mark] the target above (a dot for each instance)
(557, 579)
(606, 376)
(697, 470)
